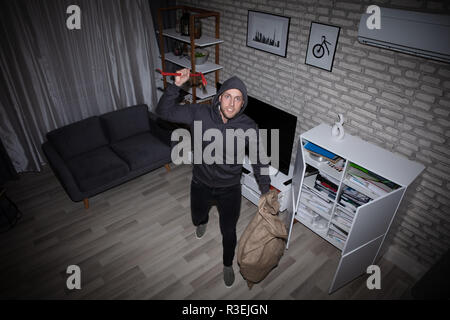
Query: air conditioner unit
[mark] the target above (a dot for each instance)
(420, 34)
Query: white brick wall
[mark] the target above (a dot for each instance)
(397, 101)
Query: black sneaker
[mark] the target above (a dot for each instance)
(200, 231)
(228, 276)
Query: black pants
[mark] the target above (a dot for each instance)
(228, 201)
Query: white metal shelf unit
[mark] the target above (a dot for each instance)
(186, 63)
(369, 224)
(204, 41)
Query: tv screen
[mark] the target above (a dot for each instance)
(269, 117)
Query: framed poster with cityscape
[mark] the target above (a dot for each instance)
(268, 32)
(322, 44)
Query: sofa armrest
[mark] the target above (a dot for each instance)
(62, 172)
(161, 128)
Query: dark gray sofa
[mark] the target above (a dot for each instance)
(101, 152)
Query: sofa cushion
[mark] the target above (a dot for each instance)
(78, 137)
(141, 150)
(97, 168)
(126, 122)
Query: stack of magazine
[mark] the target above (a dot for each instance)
(344, 218)
(337, 233)
(315, 203)
(352, 199)
(320, 152)
(325, 185)
(370, 181)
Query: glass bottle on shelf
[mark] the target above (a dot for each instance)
(197, 28)
(184, 24)
(177, 23)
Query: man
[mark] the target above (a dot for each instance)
(216, 183)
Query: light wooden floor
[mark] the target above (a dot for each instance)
(137, 242)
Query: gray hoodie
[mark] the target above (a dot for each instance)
(215, 174)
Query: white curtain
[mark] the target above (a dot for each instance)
(53, 76)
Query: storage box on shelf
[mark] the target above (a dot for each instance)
(189, 61)
(353, 185)
(278, 180)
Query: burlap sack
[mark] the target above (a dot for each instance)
(263, 242)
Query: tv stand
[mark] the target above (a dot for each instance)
(278, 180)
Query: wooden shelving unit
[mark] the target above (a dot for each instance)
(204, 41)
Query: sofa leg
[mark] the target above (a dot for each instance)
(167, 167)
(86, 203)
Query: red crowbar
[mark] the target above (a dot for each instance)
(199, 74)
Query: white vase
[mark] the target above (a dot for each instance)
(338, 129)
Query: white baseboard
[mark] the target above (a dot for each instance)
(404, 262)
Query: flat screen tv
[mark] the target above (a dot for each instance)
(269, 117)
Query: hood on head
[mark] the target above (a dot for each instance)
(232, 83)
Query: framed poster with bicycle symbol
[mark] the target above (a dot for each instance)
(322, 44)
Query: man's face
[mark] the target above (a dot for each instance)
(231, 102)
